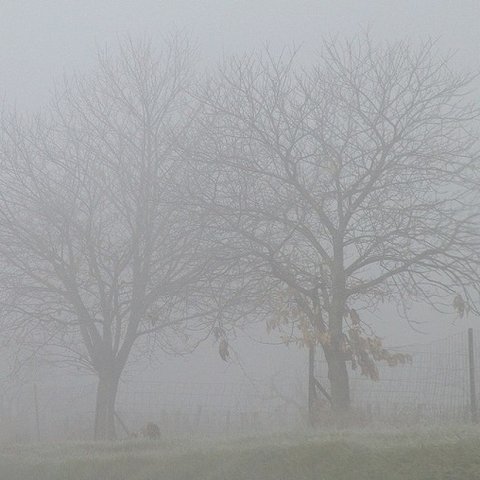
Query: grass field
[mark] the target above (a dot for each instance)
(452, 454)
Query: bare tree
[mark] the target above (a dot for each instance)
(97, 250)
(347, 184)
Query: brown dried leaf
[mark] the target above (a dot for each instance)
(223, 349)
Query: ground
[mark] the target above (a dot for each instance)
(450, 454)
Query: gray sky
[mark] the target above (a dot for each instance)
(42, 39)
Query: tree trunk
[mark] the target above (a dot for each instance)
(105, 407)
(334, 353)
(339, 384)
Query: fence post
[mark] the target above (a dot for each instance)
(37, 415)
(471, 370)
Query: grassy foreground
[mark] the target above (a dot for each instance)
(432, 455)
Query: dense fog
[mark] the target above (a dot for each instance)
(236, 219)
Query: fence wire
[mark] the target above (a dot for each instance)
(435, 387)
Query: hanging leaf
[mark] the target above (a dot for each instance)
(223, 349)
(459, 305)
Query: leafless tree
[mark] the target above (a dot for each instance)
(347, 183)
(97, 251)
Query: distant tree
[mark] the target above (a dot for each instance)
(347, 184)
(98, 252)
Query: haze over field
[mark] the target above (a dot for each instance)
(217, 213)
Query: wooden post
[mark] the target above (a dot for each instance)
(471, 370)
(311, 385)
(37, 416)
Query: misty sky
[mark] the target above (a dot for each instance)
(42, 39)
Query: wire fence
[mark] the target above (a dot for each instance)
(435, 386)
(439, 385)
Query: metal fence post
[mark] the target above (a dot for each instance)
(37, 414)
(471, 370)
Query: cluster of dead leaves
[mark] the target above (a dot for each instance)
(365, 352)
(361, 349)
